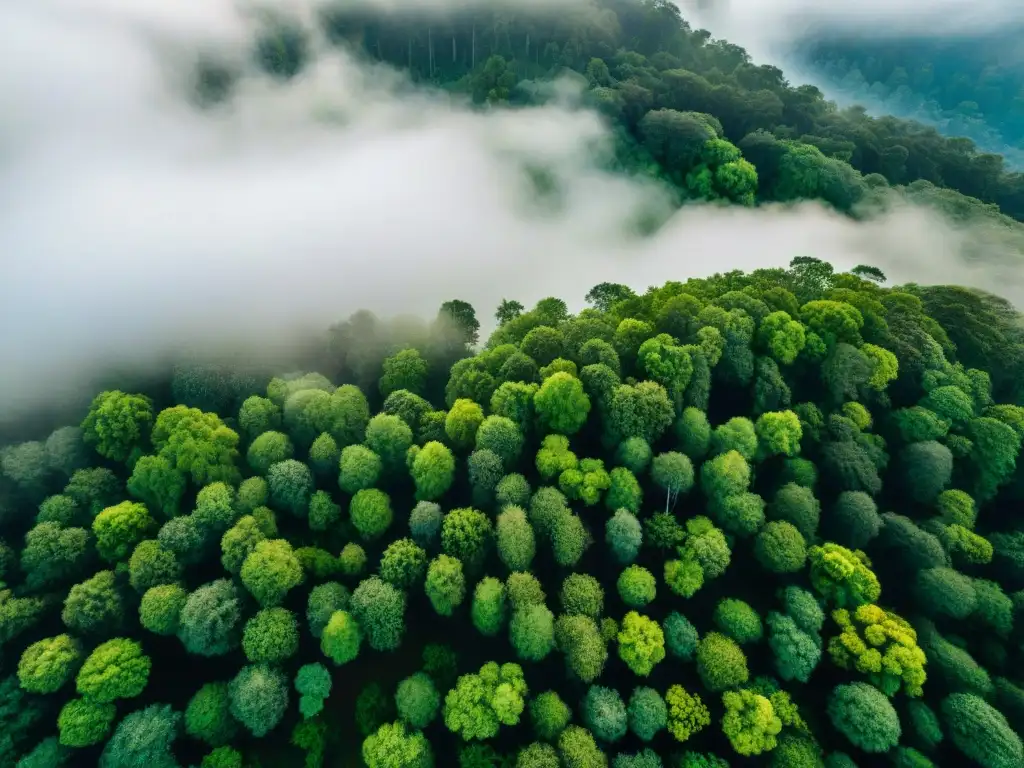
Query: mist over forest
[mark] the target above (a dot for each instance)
(572, 384)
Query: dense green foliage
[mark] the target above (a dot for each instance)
(966, 86)
(664, 567)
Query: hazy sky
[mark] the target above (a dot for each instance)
(130, 222)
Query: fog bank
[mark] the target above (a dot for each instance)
(132, 223)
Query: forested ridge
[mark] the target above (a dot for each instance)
(765, 518)
(656, 78)
(971, 86)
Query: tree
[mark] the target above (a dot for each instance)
(532, 631)
(313, 683)
(152, 565)
(508, 310)
(928, 467)
(481, 703)
(120, 528)
(605, 295)
(583, 644)
(604, 713)
(403, 564)
(352, 559)
(780, 548)
(144, 737)
(417, 701)
(485, 472)
(433, 470)
(893, 659)
(466, 534)
(797, 504)
(94, 607)
(643, 411)
(636, 586)
(259, 698)
(462, 422)
(720, 662)
(379, 610)
(210, 620)
(406, 370)
(624, 536)
(945, 592)
(60, 509)
(370, 512)
(116, 669)
(270, 571)
(624, 491)
(271, 636)
(634, 454)
(672, 472)
(577, 749)
(118, 424)
(358, 468)
(160, 608)
(725, 475)
(268, 449)
(549, 715)
(515, 539)
(561, 404)
(647, 713)
(392, 746)
(208, 715)
(693, 433)
(390, 438)
(324, 600)
(980, 731)
(323, 513)
(750, 722)
(843, 576)
(582, 595)
(796, 648)
(681, 636)
(341, 637)
(55, 555)
(156, 483)
(94, 489)
(641, 643)
(687, 714)
(864, 716)
(258, 415)
(48, 664)
(488, 610)
(778, 433)
(425, 524)
(196, 443)
(737, 620)
(537, 755)
(82, 723)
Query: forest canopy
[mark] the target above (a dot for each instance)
(760, 515)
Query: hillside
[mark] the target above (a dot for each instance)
(971, 87)
(640, 59)
(764, 517)
(767, 514)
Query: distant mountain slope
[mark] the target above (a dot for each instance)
(970, 86)
(643, 65)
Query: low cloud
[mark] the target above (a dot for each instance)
(132, 223)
